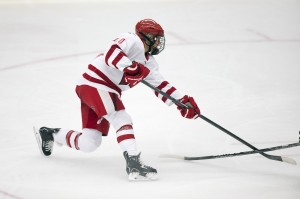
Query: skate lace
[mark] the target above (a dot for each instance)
(48, 145)
(142, 165)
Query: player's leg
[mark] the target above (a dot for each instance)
(135, 168)
(87, 141)
(122, 123)
(90, 138)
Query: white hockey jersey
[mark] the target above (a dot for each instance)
(105, 72)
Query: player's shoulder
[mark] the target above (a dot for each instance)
(130, 37)
(129, 41)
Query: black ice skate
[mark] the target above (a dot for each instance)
(45, 139)
(136, 170)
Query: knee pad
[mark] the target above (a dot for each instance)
(90, 140)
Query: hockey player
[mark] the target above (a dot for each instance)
(128, 60)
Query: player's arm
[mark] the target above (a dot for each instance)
(133, 71)
(157, 80)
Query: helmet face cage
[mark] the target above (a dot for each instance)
(160, 40)
(150, 40)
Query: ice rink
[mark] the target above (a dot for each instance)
(240, 60)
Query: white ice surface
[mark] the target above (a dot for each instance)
(240, 60)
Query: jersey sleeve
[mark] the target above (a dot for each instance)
(156, 79)
(116, 55)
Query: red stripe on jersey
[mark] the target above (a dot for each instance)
(110, 52)
(118, 58)
(169, 92)
(107, 82)
(125, 137)
(68, 137)
(93, 79)
(161, 86)
(76, 141)
(98, 81)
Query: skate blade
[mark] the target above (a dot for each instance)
(38, 139)
(137, 177)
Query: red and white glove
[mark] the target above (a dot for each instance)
(193, 111)
(134, 74)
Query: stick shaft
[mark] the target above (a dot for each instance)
(272, 157)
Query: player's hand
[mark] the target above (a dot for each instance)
(134, 74)
(193, 111)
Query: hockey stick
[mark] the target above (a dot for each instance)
(271, 157)
(231, 154)
(240, 153)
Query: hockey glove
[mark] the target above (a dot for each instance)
(193, 111)
(134, 74)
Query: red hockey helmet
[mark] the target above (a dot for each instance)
(151, 32)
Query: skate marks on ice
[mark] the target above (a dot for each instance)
(9, 195)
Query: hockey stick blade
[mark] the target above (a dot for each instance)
(287, 160)
(279, 158)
